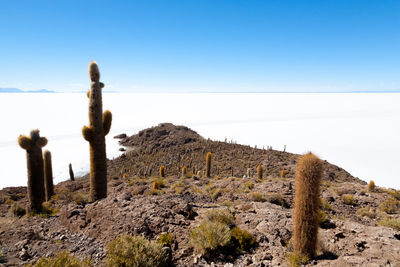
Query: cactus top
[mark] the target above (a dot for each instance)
(94, 72)
(26, 142)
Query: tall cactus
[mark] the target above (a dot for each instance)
(33, 145)
(260, 172)
(99, 126)
(184, 171)
(208, 164)
(307, 204)
(162, 171)
(48, 175)
(71, 172)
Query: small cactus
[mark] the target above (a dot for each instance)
(48, 175)
(283, 173)
(156, 186)
(208, 164)
(33, 145)
(71, 173)
(248, 172)
(162, 171)
(260, 172)
(371, 186)
(184, 171)
(307, 204)
(99, 127)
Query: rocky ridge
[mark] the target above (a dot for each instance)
(347, 238)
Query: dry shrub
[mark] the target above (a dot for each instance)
(242, 239)
(135, 251)
(223, 216)
(277, 199)
(62, 259)
(367, 211)
(325, 205)
(391, 222)
(209, 236)
(166, 239)
(348, 199)
(390, 206)
(17, 210)
(257, 197)
(296, 259)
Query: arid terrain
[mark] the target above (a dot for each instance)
(351, 232)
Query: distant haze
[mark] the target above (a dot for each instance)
(358, 132)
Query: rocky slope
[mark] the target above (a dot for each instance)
(348, 237)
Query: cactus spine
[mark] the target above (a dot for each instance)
(307, 204)
(260, 172)
(208, 164)
(99, 126)
(162, 171)
(48, 175)
(71, 173)
(33, 145)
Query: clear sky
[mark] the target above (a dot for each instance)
(201, 45)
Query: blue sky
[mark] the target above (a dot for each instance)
(202, 46)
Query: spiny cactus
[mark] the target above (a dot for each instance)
(208, 164)
(156, 186)
(371, 186)
(162, 171)
(184, 171)
(307, 204)
(99, 126)
(71, 173)
(33, 145)
(260, 172)
(48, 175)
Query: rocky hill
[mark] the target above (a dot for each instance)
(349, 234)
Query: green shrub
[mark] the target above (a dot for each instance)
(135, 251)
(17, 210)
(257, 197)
(223, 216)
(166, 239)
(63, 259)
(209, 236)
(348, 199)
(296, 259)
(241, 239)
(390, 206)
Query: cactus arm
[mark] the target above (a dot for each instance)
(88, 93)
(87, 133)
(107, 119)
(41, 142)
(24, 142)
